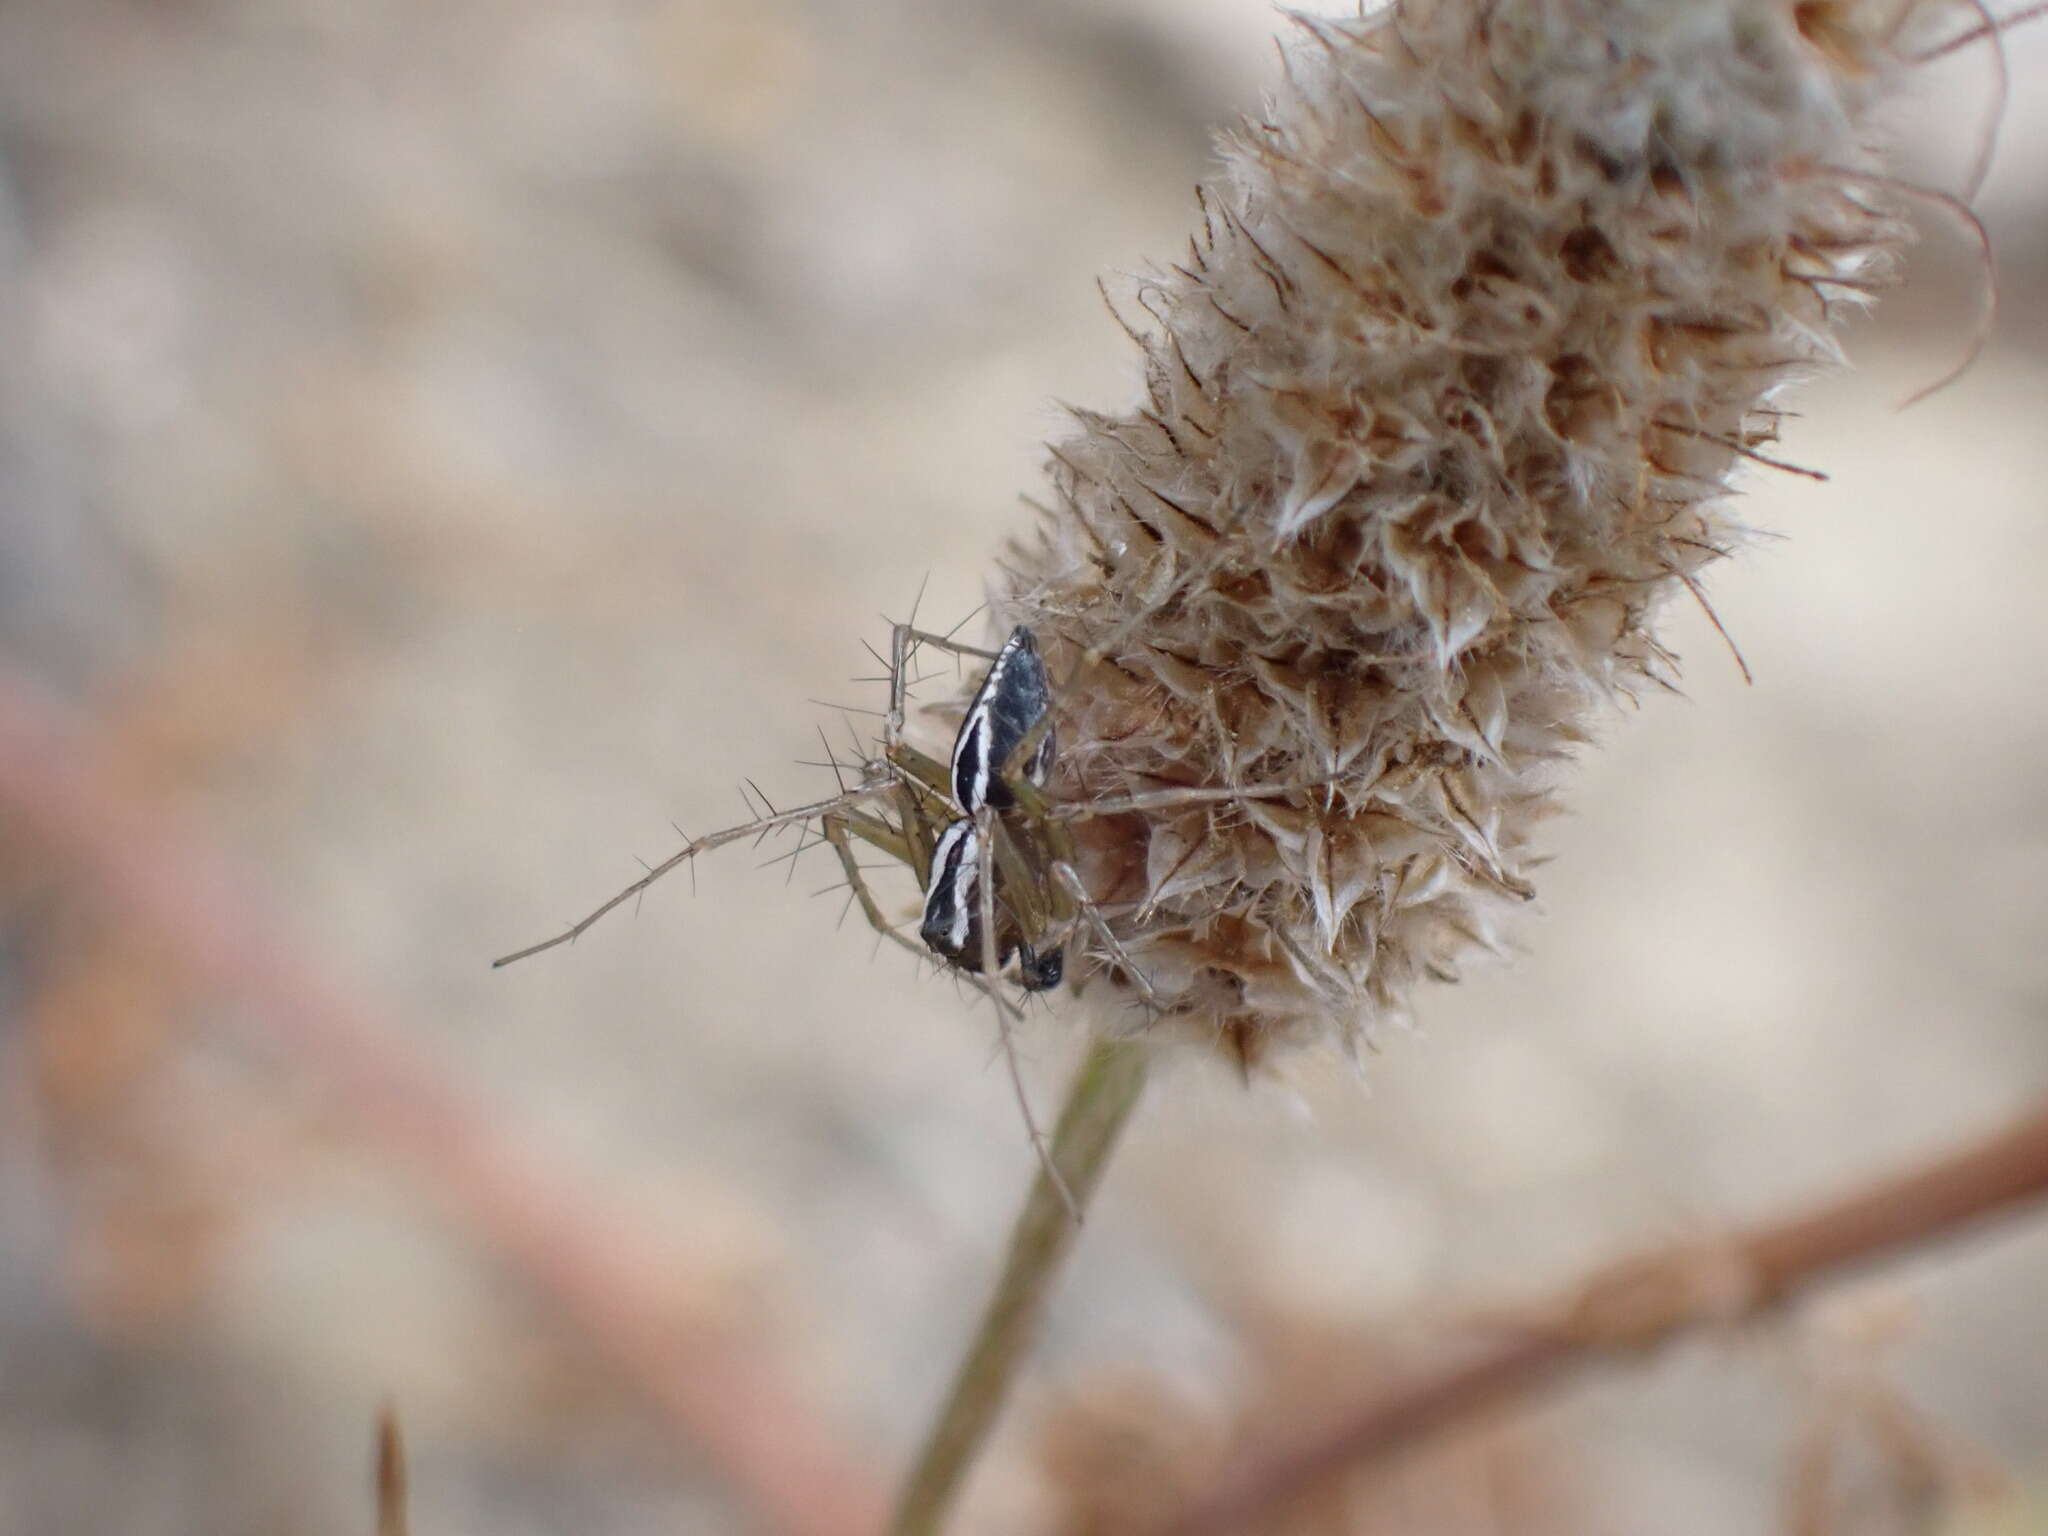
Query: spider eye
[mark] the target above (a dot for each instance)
(1013, 699)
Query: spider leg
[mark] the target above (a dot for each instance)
(857, 881)
(1057, 858)
(1186, 794)
(871, 787)
(839, 831)
(1086, 911)
(904, 640)
(987, 894)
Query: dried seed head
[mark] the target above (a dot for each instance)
(1440, 408)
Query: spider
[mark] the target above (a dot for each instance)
(989, 849)
(981, 855)
(994, 859)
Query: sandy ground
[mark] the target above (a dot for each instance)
(439, 445)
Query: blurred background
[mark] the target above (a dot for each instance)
(439, 445)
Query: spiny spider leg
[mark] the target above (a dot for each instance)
(984, 821)
(903, 640)
(856, 880)
(920, 803)
(882, 834)
(836, 829)
(1087, 911)
(1058, 856)
(761, 825)
(1191, 794)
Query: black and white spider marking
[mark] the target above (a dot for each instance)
(1010, 704)
(952, 914)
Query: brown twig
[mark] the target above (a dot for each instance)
(1996, 27)
(166, 880)
(1643, 1303)
(392, 1519)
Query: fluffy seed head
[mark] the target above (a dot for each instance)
(1440, 406)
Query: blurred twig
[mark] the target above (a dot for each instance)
(59, 794)
(1993, 28)
(1642, 1303)
(391, 1482)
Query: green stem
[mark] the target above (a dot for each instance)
(1099, 1101)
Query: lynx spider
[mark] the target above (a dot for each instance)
(901, 801)
(1028, 897)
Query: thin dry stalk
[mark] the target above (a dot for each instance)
(167, 881)
(1099, 1102)
(1645, 1303)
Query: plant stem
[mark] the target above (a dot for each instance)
(1098, 1103)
